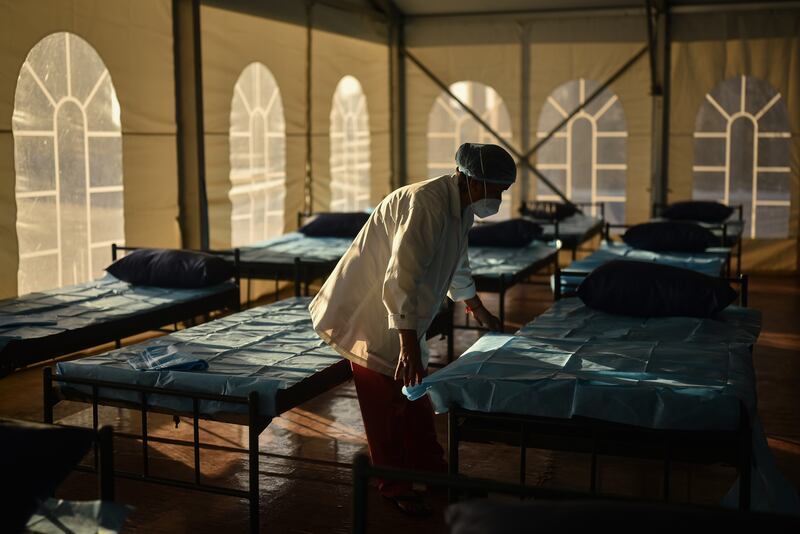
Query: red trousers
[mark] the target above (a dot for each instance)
(400, 432)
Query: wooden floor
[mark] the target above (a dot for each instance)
(306, 454)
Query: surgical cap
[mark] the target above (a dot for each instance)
(488, 163)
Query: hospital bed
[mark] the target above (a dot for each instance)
(498, 269)
(262, 362)
(729, 232)
(47, 324)
(722, 250)
(575, 379)
(571, 232)
(713, 262)
(485, 507)
(286, 257)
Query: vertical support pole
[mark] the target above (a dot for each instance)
(524, 99)
(189, 121)
(253, 431)
(660, 47)
(308, 193)
(113, 252)
(397, 100)
(95, 425)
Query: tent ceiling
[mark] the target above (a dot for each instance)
(454, 7)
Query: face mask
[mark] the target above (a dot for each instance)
(484, 207)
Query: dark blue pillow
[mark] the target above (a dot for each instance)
(549, 211)
(670, 236)
(645, 289)
(335, 224)
(510, 233)
(171, 268)
(698, 210)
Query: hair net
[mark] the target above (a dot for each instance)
(488, 163)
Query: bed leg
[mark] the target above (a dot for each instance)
(452, 451)
(667, 470)
(523, 456)
(105, 473)
(252, 444)
(145, 457)
(47, 397)
(196, 439)
(502, 304)
(95, 426)
(450, 331)
(745, 460)
(593, 476)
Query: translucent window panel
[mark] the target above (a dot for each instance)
(68, 153)
(350, 147)
(587, 157)
(257, 157)
(449, 126)
(741, 154)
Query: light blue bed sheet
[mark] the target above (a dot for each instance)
(710, 262)
(494, 262)
(264, 349)
(662, 373)
(286, 248)
(54, 311)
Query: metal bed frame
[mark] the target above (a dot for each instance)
(658, 210)
(550, 206)
(307, 270)
(24, 352)
(255, 422)
(580, 434)
(723, 240)
(501, 284)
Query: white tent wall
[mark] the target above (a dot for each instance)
(333, 57)
(134, 40)
(231, 41)
(572, 47)
(710, 48)
(479, 49)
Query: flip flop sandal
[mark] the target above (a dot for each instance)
(412, 505)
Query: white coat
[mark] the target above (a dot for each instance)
(395, 275)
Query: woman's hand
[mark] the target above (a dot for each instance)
(409, 365)
(483, 316)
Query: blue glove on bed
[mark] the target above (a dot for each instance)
(165, 358)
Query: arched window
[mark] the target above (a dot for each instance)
(349, 147)
(449, 126)
(258, 157)
(586, 158)
(741, 153)
(68, 163)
